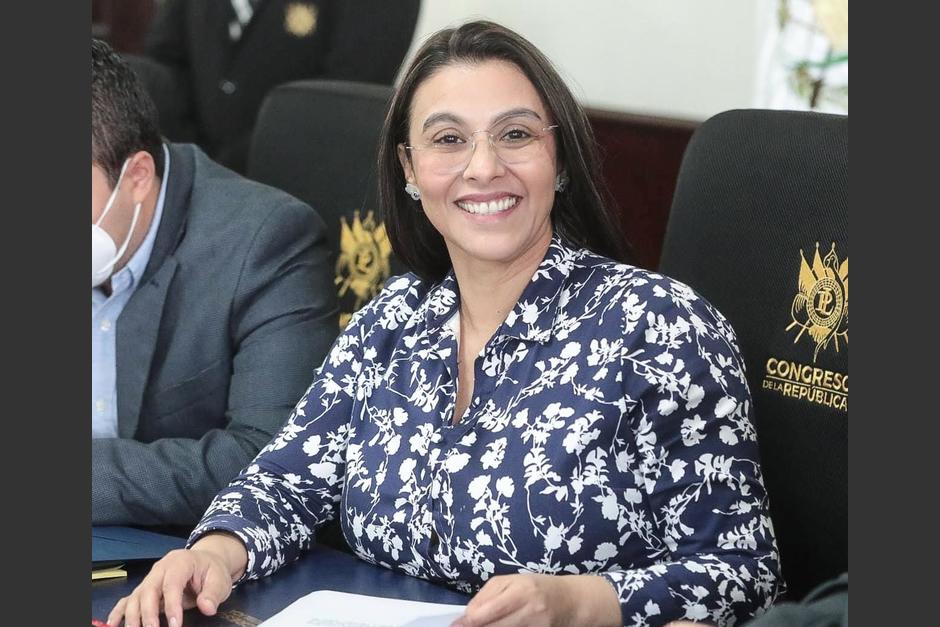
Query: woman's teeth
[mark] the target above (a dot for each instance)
(488, 208)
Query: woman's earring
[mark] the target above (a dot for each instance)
(413, 191)
(561, 181)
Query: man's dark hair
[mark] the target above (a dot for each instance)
(581, 213)
(123, 117)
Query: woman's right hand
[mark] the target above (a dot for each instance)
(200, 576)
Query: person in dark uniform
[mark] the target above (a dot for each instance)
(209, 63)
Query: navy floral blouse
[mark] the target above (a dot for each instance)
(609, 433)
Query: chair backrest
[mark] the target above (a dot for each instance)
(168, 95)
(318, 141)
(760, 226)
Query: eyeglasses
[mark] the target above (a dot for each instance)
(450, 151)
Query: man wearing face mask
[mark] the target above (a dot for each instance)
(212, 304)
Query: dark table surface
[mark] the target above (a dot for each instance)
(252, 602)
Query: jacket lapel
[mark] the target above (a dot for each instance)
(139, 324)
(235, 47)
(137, 331)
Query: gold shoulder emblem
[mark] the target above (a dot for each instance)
(364, 262)
(300, 19)
(821, 306)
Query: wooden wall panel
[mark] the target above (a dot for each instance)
(122, 23)
(641, 157)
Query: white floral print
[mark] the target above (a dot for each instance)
(609, 433)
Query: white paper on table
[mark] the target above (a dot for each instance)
(327, 608)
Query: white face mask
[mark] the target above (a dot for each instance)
(104, 252)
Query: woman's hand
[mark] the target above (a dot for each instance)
(543, 601)
(200, 576)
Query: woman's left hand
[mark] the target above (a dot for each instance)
(543, 601)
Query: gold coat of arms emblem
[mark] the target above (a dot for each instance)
(300, 19)
(820, 308)
(364, 262)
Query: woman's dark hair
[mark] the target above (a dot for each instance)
(123, 117)
(581, 213)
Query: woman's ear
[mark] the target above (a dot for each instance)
(405, 161)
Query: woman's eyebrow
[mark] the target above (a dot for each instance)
(451, 118)
(441, 117)
(515, 113)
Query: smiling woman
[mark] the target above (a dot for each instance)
(490, 201)
(441, 79)
(524, 416)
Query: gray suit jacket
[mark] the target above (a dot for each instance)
(234, 312)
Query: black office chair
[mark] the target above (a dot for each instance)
(318, 141)
(760, 226)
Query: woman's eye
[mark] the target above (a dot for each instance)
(515, 135)
(448, 138)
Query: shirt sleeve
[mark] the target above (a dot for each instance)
(295, 483)
(697, 468)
